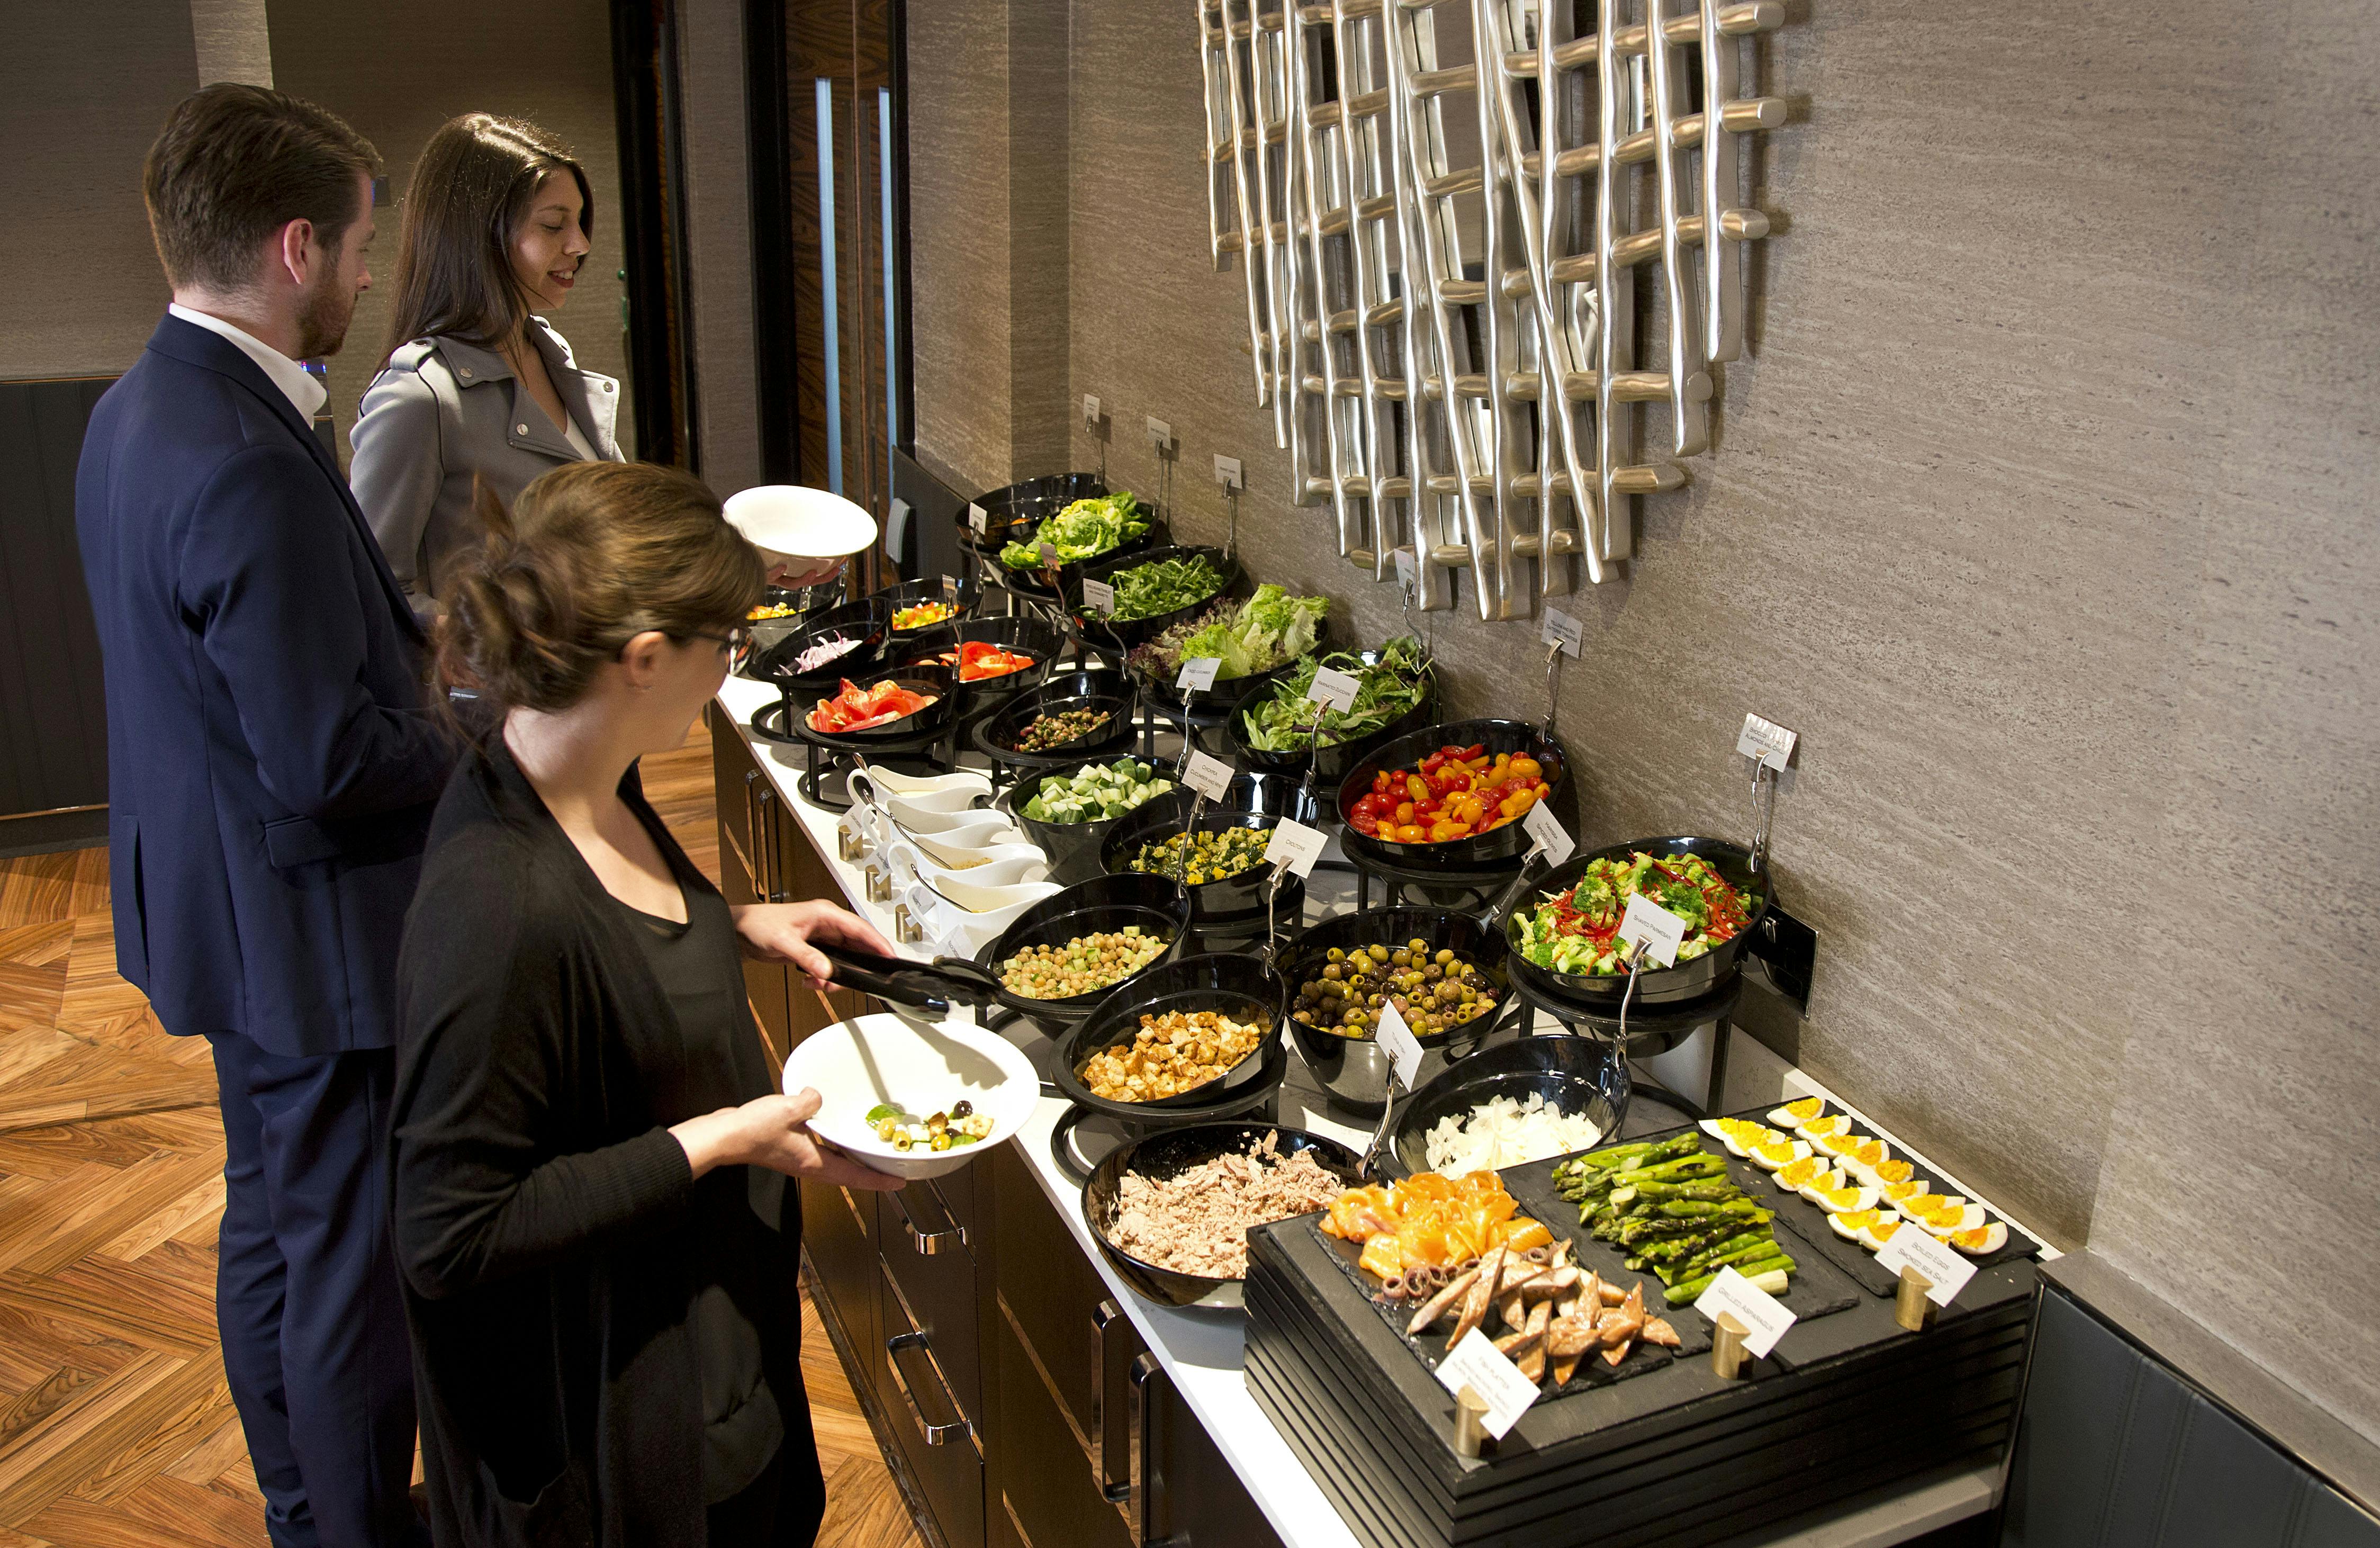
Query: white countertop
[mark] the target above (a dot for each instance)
(1202, 1351)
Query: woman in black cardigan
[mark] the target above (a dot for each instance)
(598, 1248)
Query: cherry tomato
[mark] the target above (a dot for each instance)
(1411, 833)
(1381, 783)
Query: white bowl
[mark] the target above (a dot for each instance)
(957, 930)
(856, 1064)
(798, 522)
(952, 853)
(956, 830)
(892, 782)
(990, 897)
(1006, 866)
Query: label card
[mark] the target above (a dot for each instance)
(1161, 435)
(951, 589)
(1657, 929)
(1208, 776)
(1754, 1307)
(1049, 555)
(1197, 674)
(1767, 741)
(1338, 690)
(1475, 1363)
(1227, 471)
(1562, 629)
(1295, 845)
(1545, 830)
(1948, 1268)
(1406, 572)
(977, 519)
(1396, 1040)
(1099, 596)
(1090, 413)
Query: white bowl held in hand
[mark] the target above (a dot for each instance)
(799, 523)
(854, 1066)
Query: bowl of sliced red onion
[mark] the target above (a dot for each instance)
(827, 646)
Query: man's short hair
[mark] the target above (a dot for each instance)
(234, 163)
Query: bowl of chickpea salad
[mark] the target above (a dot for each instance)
(912, 1099)
(1071, 950)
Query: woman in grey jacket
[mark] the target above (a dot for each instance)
(475, 387)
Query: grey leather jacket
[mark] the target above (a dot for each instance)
(442, 412)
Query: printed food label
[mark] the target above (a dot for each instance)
(1049, 555)
(1099, 596)
(1562, 629)
(1335, 688)
(1396, 1040)
(1653, 927)
(1946, 1268)
(1197, 674)
(1295, 845)
(977, 519)
(1475, 1363)
(1406, 572)
(1546, 834)
(1090, 410)
(1754, 1307)
(1210, 776)
(1767, 741)
(951, 589)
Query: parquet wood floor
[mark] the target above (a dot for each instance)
(117, 1430)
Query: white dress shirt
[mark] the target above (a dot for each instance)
(297, 383)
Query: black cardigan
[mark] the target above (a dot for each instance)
(543, 1214)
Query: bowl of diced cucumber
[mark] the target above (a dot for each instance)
(1069, 811)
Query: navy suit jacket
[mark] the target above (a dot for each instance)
(272, 761)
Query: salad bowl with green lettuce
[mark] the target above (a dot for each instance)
(1085, 530)
(1265, 633)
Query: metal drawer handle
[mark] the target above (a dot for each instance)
(1148, 1476)
(1110, 1444)
(936, 1434)
(768, 820)
(930, 1244)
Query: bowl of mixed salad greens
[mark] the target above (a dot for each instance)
(1013, 510)
(1273, 725)
(1154, 589)
(1564, 931)
(1090, 529)
(1250, 641)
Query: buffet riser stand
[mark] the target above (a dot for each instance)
(1203, 1353)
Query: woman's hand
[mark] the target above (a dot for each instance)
(772, 1131)
(782, 933)
(794, 571)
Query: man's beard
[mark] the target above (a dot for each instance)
(322, 321)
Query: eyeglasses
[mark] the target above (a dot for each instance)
(734, 638)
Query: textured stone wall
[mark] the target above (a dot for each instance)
(2042, 507)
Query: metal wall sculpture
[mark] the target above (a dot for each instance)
(1492, 255)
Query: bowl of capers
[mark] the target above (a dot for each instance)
(1443, 972)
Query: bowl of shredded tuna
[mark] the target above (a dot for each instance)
(1172, 1211)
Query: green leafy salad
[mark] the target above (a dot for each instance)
(1277, 722)
(1271, 629)
(1083, 531)
(1163, 585)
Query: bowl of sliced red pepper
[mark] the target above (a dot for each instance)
(914, 701)
(995, 658)
(1453, 796)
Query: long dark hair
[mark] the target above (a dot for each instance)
(470, 191)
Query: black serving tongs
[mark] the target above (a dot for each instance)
(927, 986)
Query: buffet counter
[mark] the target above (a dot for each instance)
(1202, 1352)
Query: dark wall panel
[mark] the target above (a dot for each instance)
(53, 711)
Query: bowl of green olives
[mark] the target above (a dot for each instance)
(1444, 971)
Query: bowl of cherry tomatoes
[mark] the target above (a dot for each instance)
(1453, 797)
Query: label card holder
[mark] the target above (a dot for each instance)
(1049, 556)
(1946, 1267)
(1545, 830)
(1099, 596)
(1295, 846)
(1646, 923)
(1396, 1040)
(1208, 776)
(1197, 674)
(977, 519)
(1476, 1363)
(1761, 1313)
(1766, 742)
(1562, 629)
(1334, 689)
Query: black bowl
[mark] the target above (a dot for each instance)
(1104, 903)
(869, 618)
(1354, 1071)
(1240, 987)
(918, 677)
(1331, 761)
(1226, 691)
(1497, 847)
(1093, 688)
(930, 588)
(1072, 847)
(1580, 1075)
(1687, 980)
(1258, 801)
(1099, 630)
(1035, 581)
(1028, 636)
(1017, 508)
(1170, 1152)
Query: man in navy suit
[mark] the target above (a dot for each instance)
(272, 767)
